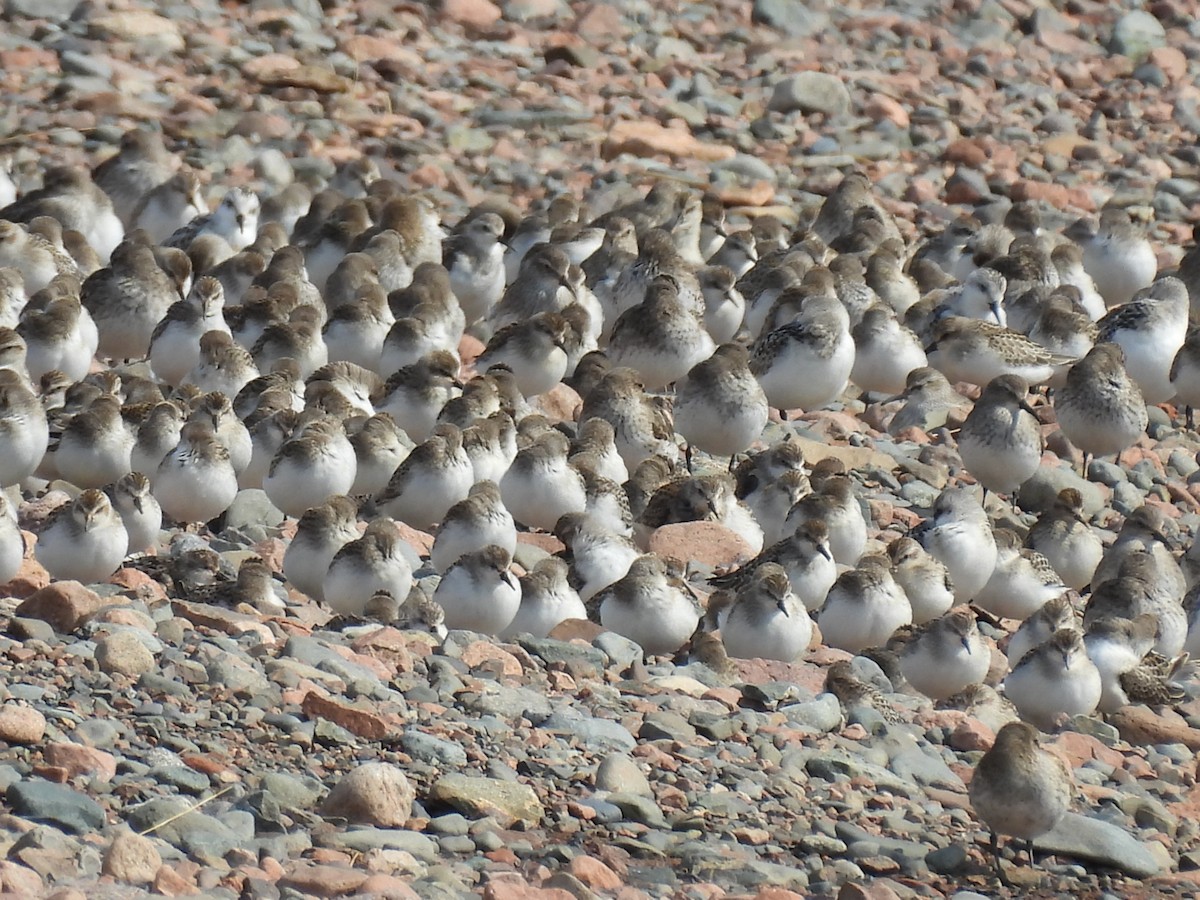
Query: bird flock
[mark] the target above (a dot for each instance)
(339, 348)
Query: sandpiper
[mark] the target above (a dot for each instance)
(764, 619)
(651, 605)
(1019, 789)
(84, 540)
(479, 592)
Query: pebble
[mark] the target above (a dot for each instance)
(810, 92)
(374, 794)
(131, 858)
(21, 725)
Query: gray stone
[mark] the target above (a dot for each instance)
(621, 651)
(510, 702)
(1038, 493)
(810, 92)
(1095, 841)
(432, 750)
(251, 507)
(664, 725)
(796, 18)
(924, 768)
(573, 656)
(525, 10)
(51, 10)
(949, 860)
(636, 808)
(837, 765)
(199, 835)
(621, 774)
(715, 726)
(594, 733)
(189, 781)
(361, 840)
(822, 714)
(291, 791)
(1136, 34)
(57, 804)
(452, 824)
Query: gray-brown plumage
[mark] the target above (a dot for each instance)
(850, 690)
(1019, 789)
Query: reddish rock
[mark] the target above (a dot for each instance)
(218, 618)
(1079, 748)
(559, 404)
(322, 881)
(474, 13)
(594, 873)
(971, 734)
(171, 883)
(387, 887)
(19, 881)
(708, 543)
(375, 47)
(479, 653)
(375, 793)
(138, 581)
(30, 578)
(966, 151)
(387, 645)
(362, 722)
(648, 138)
(1142, 726)
(599, 22)
(1171, 60)
(575, 630)
(270, 551)
(420, 541)
(65, 605)
(760, 193)
(881, 106)
(21, 725)
(920, 190)
(514, 887)
(77, 759)
(1056, 195)
(761, 671)
(126, 616)
(469, 348)
(547, 542)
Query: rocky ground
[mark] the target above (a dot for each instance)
(153, 744)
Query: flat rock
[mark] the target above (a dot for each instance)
(1095, 841)
(507, 801)
(57, 804)
(648, 138)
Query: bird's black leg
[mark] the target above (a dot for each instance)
(995, 845)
